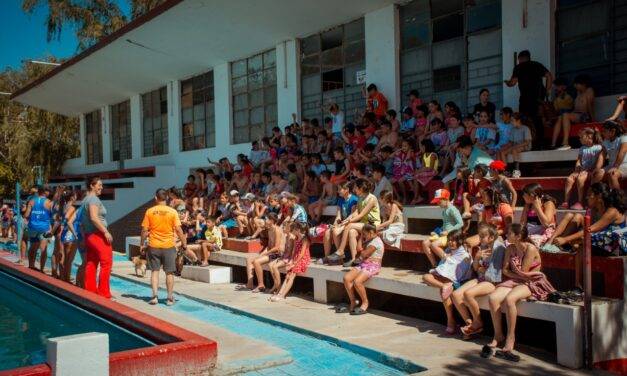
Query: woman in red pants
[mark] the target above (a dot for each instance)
(97, 240)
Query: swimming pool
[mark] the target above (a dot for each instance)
(29, 316)
(312, 354)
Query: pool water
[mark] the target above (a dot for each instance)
(311, 356)
(29, 316)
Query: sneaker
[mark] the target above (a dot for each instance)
(348, 263)
(516, 174)
(564, 147)
(577, 206)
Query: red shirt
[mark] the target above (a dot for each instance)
(378, 104)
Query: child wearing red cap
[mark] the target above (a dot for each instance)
(451, 220)
(501, 185)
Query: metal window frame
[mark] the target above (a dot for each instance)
(160, 129)
(123, 138)
(248, 91)
(206, 129)
(345, 43)
(93, 137)
(464, 65)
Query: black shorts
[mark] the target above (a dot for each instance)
(165, 257)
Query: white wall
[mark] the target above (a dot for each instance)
(136, 126)
(287, 81)
(174, 116)
(105, 118)
(536, 36)
(382, 57)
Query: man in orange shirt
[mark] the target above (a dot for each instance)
(376, 102)
(160, 224)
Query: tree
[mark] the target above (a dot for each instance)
(141, 7)
(29, 136)
(92, 19)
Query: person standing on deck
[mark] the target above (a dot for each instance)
(97, 239)
(160, 224)
(528, 75)
(39, 214)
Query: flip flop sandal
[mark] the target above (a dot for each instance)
(154, 301)
(507, 355)
(470, 332)
(170, 301)
(257, 290)
(487, 351)
(342, 309)
(358, 311)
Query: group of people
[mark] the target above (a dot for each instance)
(53, 216)
(367, 172)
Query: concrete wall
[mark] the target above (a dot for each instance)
(287, 81)
(536, 36)
(382, 52)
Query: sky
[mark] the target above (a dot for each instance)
(23, 36)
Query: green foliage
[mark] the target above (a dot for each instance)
(31, 137)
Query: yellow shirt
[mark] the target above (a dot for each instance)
(160, 221)
(563, 102)
(214, 236)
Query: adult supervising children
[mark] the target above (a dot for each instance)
(160, 224)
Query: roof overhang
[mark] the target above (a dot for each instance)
(179, 39)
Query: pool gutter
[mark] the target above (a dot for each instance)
(178, 351)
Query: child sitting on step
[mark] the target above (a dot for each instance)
(299, 261)
(451, 221)
(453, 269)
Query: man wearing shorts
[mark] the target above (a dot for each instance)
(160, 224)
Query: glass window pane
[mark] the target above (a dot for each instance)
(240, 102)
(414, 35)
(241, 135)
(484, 15)
(256, 115)
(310, 45)
(583, 20)
(255, 64)
(331, 59)
(255, 81)
(256, 98)
(354, 31)
(186, 87)
(310, 65)
(199, 111)
(442, 7)
(271, 113)
(240, 118)
(257, 132)
(333, 80)
(269, 94)
(445, 79)
(448, 27)
(332, 38)
(269, 59)
(269, 77)
(354, 52)
(239, 85)
(238, 68)
(186, 100)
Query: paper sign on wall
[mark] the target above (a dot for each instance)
(360, 76)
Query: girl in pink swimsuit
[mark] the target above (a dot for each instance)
(525, 281)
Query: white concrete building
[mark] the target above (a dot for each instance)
(196, 78)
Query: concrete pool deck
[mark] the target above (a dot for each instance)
(418, 341)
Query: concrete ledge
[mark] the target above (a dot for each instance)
(207, 274)
(91, 348)
(567, 319)
(241, 245)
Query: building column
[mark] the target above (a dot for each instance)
(287, 81)
(382, 52)
(222, 103)
(174, 117)
(535, 33)
(136, 126)
(81, 121)
(105, 118)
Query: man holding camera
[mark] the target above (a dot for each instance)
(160, 224)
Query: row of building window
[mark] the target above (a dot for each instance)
(449, 49)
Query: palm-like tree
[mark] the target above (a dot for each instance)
(140, 7)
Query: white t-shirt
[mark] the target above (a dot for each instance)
(379, 247)
(338, 122)
(383, 185)
(623, 140)
(257, 156)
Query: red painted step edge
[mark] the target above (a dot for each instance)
(178, 350)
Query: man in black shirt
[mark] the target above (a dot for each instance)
(528, 75)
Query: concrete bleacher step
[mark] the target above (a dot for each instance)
(208, 274)
(242, 245)
(567, 318)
